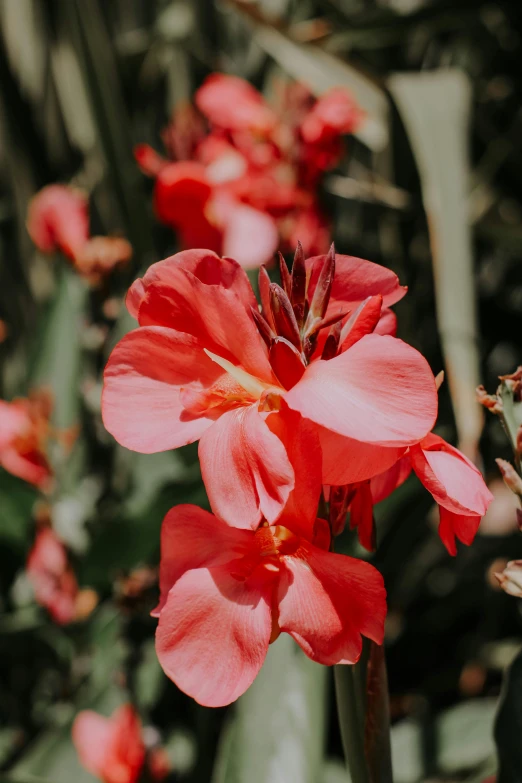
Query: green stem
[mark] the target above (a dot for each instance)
(351, 720)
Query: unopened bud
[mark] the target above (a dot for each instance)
(510, 476)
(323, 288)
(299, 285)
(510, 579)
(286, 280)
(489, 401)
(283, 315)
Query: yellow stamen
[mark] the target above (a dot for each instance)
(250, 383)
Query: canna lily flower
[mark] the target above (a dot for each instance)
(52, 578)
(227, 592)
(112, 749)
(24, 431)
(231, 103)
(206, 365)
(58, 220)
(453, 480)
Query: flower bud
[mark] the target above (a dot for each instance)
(510, 476)
(510, 579)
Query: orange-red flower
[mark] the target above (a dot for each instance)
(58, 220)
(24, 432)
(227, 592)
(52, 577)
(206, 365)
(112, 749)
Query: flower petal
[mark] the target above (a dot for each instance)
(380, 391)
(303, 448)
(361, 516)
(250, 236)
(141, 404)
(213, 314)
(191, 538)
(92, 734)
(208, 267)
(347, 461)
(355, 280)
(245, 468)
(58, 219)
(326, 601)
(232, 103)
(213, 633)
(385, 483)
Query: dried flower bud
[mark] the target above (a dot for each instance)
(510, 579)
(510, 476)
(489, 401)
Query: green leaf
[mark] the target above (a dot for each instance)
(278, 731)
(16, 503)
(149, 677)
(465, 735)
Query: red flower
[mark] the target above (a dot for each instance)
(334, 114)
(24, 430)
(58, 219)
(456, 484)
(205, 364)
(112, 749)
(233, 104)
(52, 578)
(226, 593)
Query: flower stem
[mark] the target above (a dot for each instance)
(350, 708)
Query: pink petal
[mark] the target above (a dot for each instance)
(348, 461)
(92, 735)
(214, 315)
(303, 448)
(127, 747)
(141, 404)
(191, 538)
(58, 219)
(250, 236)
(387, 323)
(208, 267)
(355, 280)
(233, 104)
(213, 633)
(14, 421)
(246, 469)
(381, 391)
(326, 601)
(385, 483)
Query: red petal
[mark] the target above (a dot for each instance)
(388, 481)
(213, 314)
(233, 104)
(301, 442)
(380, 391)
(245, 468)
(356, 279)
(286, 362)
(361, 516)
(363, 321)
(141, 404)
(192, 538)
(347, 461)
(387, 323)
(213, 634)
(326, 601)
(92, 735)
(58, 219)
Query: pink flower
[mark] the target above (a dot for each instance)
(51, 576)
(112, 749)
(233, 104)
(226, 593)
(334, 114)
(58, 219)
(24, 430)
(205, 365)
(456, 484)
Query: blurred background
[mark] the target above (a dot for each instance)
(430, 185)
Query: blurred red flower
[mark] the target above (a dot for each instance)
(24, 432)
(206, 365)
(51, 576)
(226, 593)
(58, 220)
(112, 749)
(250, 183)
(456, 484)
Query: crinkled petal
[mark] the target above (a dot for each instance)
(381, 391)
(213, 633)
(141, 402)
(192, 538)
(327, 601)
(355, 280)
(303, 448)
(208, 267)
(245, 468)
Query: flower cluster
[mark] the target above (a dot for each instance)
(58, 220)
(251, 182)
(308, 393)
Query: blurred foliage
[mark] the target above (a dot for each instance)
(82, 81)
